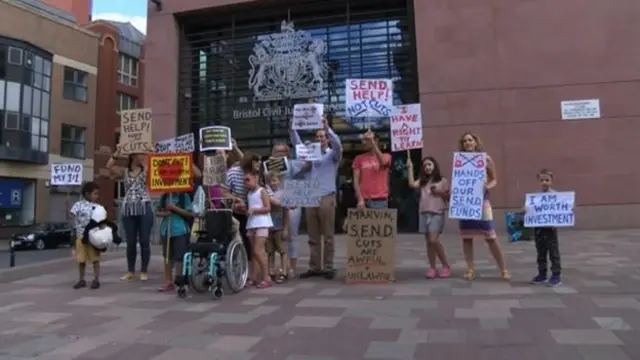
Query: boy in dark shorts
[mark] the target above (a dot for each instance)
(546, 239)
(175, 210)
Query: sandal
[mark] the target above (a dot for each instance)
(506, 276)
(166, 287)
(280, 278)
(263, 285)
(469, 275)
(249, 283)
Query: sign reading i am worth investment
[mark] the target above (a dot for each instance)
(369, 97)
(406, 127)
(135, 131)
(170, 172)
(371, 246)
(467, 185)
(550, 209)
(66, 174)
(215, 138)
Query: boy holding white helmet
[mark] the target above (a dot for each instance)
(85, 252)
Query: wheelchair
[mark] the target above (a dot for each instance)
(217, 259)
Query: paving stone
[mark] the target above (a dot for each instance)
(541, 303)
(92, 301)
(447, 336)
(585, 337)
(390, 350)
(313, 321)
(494, 323)
(235, 343)
(612, 323)
(393, 323)
(596, 352)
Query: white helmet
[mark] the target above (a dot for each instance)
(100, 237)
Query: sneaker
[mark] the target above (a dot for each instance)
(330, 274)
(539, 279)
(554, 280)
(128, 277)
(95, 284)
(80, 284)
(144, 277)
(445, 272)
(431, 273)
(310, 274)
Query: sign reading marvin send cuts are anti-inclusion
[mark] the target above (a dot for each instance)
(550, 209)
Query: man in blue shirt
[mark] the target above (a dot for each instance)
(175, 211)
(321, 220)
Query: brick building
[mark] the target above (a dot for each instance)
(48, 68)
(498, 68)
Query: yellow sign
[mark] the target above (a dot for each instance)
(170, 172)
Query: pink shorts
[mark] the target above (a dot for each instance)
(258, 232)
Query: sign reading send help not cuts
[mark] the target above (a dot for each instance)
(406, 127)
(369, 97)
(135, 131)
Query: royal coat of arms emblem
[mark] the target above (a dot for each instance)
(287, 65)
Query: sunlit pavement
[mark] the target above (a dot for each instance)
(594, 315)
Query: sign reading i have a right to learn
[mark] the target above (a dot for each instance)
(550, 209)
(467, 185)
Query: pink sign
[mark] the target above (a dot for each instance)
(406, 128)
(369, 97)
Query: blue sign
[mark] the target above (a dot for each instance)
(11, 193)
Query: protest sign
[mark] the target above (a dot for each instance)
(307, 116)
(170, 172)
(301, 193)
(135, 131)
(180, 144)
(371, 246)
(369, 97)
(309, 152)
(406, 127)
(467, 185)
(550, 209)
(278, 165)
(215, 170)
(215, 138)
(66, 174)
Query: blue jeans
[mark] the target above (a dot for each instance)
(137, 229)
(376, 204)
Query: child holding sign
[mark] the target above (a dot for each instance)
(546, 239)
(433, 191)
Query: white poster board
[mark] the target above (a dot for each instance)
(550, 209)
(369, 97)
(179, 144)
(66, 174)
(580, 109)
(406, 127)
(301, 193)
(307, 116)
(309, 152)
(467, 185)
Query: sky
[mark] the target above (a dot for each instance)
(133, 11)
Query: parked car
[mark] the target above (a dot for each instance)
(44, 236)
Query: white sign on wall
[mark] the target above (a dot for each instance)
(580, 109)
(66, 174)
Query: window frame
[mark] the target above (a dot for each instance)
(130, 100)
(75, 84)
(128, 70)
(65, 142)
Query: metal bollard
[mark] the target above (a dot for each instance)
(12, 256)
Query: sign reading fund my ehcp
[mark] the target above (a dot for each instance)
(369, 97)
(215, 138)
(467, 185)
(66, 174)
(550, 209)
(170, 172)
(135, 131)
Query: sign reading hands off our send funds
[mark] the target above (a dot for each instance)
(550, 209)
(135, 131)
(467, 185)
(301, 193)
(371, 246)
(170, 173)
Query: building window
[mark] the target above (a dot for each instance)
(72, 141)
(128, 70)
(125, 102)
(25, 96)
(75, 84)
(17, 201)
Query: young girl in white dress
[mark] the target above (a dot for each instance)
(258, 224)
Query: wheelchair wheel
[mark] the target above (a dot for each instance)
(236, 266)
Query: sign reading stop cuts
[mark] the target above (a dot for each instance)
(170, 173)
(135, 131)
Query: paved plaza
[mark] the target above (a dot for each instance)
(595, 315)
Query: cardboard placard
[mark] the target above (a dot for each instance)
(301, 193)
(179, 144)
(170, 172)
(307, 116)
(279, 165)
(467, 186)
(215, 170)
(309, 152)
(371, 246)
(66, 174)
(406, 127)
(369, 97)
(135, 131)
(215, 138)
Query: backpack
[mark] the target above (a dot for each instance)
(182, 203)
